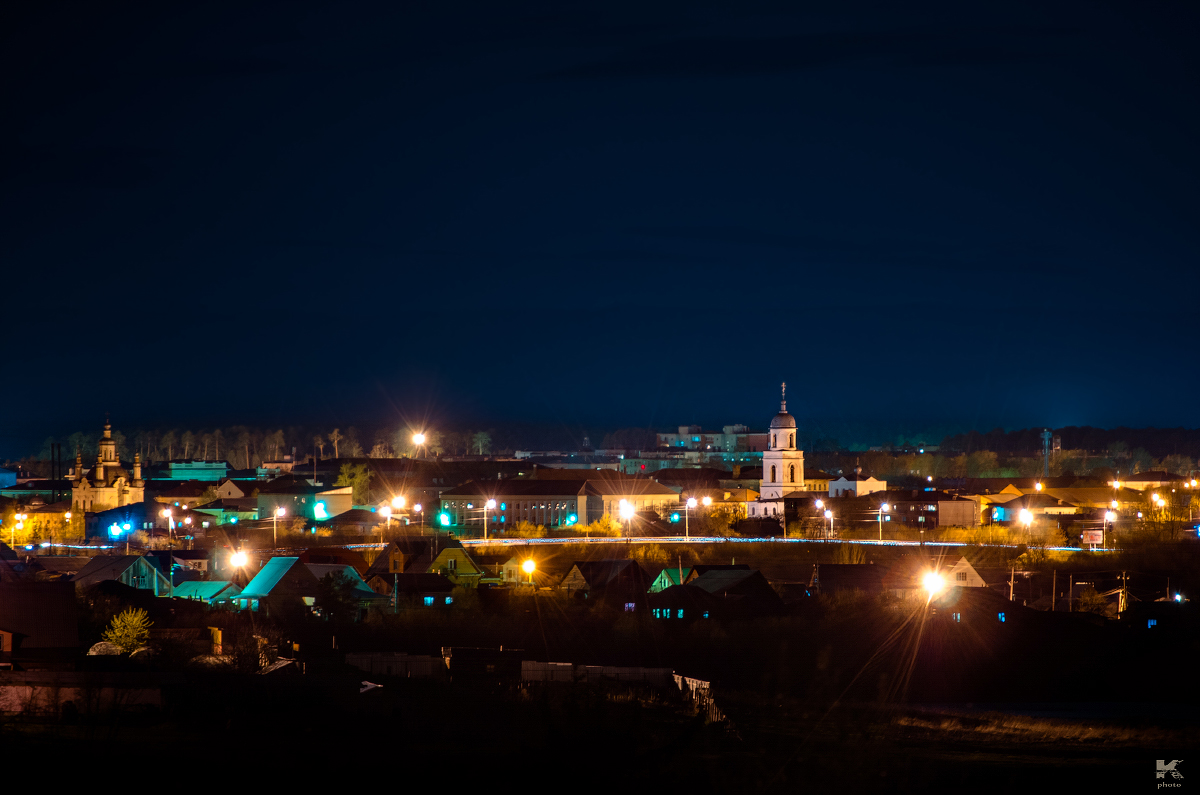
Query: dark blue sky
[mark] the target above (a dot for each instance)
(962, 215)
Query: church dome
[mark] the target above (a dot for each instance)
(783, 420)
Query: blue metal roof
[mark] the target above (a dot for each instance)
(268, 577)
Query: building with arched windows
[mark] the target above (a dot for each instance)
(108, 484)
(783, 465)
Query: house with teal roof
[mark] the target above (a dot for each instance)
(206, 591)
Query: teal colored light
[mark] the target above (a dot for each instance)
(444, 518)
(572, 519)
(319, 511)
(503, 507)
(125, 526)
(233, 520)
(675, 517)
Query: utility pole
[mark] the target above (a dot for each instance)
(1123, 599)
(1070, 591)
(1053, 590)
(1012, 578)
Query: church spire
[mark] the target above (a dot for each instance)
(783, 397)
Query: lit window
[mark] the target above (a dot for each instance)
(957, 616)
(629, 606)
(1153, 622)
(449, 600)
(679, 613)
(1001, 617)
(429, 601)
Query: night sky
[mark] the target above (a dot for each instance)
(949, 216)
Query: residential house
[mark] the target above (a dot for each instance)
(617, 582)
(136, 571)
(906, 578)
(454, 563)
(283, 586)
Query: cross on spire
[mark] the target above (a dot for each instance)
(783, 398)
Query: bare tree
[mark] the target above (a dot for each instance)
(335, 436)
(319, 443)
(189, 441)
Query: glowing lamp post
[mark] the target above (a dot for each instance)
(419, 441)
(829, 516)
(882, 510)
(528, 567)
(687, 506)
(280, 511)
(625, 510)
(933, 584)
(420, 517)
(488, 506)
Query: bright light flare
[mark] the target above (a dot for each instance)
(1026, 517)
(829, 514)
(626, 510)
(691, 503)
(933, 583)
(1109, 516)
(528, 566)
(238, 559)
(397, 502)
(490, 504)
(280, 511)
(418, 438)
(707, 501)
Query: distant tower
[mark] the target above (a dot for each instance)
(783, 462)
(1046, 437)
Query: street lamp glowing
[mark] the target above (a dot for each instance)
(1026, 517)
(626, 511)
(820, 504)
(1038, 487)
(829, 514)
(238, 559)
(490, 504)
(1115, 505)
(67, 516)
(884, 507)
(933, 583)
(417, 507)
(1116, 484)
(528, 566)
(280, 511)
(418, 438)
(707, 501)
(1109, 516)
(691, 503)
(397, 502)
(386, 511)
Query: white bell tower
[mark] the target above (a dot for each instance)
(783, 462)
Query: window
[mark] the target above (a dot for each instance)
(679, 613)
(960, 576)
(1151, 622)
(428, 601)
(452, 564)
(1001, 617)
(629, 606)
(772, 473)
(957, 617)
(449, 600)
(792, 473)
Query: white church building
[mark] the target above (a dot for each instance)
(783, 465)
